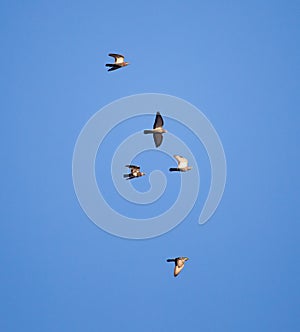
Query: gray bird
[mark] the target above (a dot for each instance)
(182, 165)
(119, 62)
(134, 172)
(157, 130)
(179, 264)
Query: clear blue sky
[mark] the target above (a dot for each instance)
(238, 62)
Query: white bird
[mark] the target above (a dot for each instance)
(182, 165)
(157, 130)
(119, 62)
(179, 264)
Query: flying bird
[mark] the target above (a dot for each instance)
(182, 165)
(134, 172)
(157, 130)
(179, 264)
(119, 62)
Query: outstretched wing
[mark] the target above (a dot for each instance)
(133, 166)
(118, 57)
(158, 138)
(113, 68)
(177, 270)
(159, 122)
(182, 162)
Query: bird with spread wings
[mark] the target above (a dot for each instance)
(134, 172)
(157, 130)
(182, 165)
(179, 264)
(119, 62)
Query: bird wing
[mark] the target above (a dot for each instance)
(118, 57)
(133, 167)
(177, 270)
(113, 68)
(182, 162)
(159, 122)
(158, 138)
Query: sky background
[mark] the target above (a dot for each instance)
(238, 62)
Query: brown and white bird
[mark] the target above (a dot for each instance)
(182, 165)
(134, 172)
(179, 264)
(157, 130)
(119, 62)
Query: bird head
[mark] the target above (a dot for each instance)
(165, 131)
(127, 63)
(185, 258)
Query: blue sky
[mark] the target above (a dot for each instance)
(238, 62)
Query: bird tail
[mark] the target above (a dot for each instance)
(126, 175)
(172, 169)
(170, 260)
(148, 132)
(109, 65)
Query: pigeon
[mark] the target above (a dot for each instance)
(134, 172)
(179, 264)
(157, 130)
(119, 62)
(182, 165)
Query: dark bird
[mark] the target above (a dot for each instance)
(134, 172)
(119, 62)
(157, 130)
(179, 264)
(182, 165)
